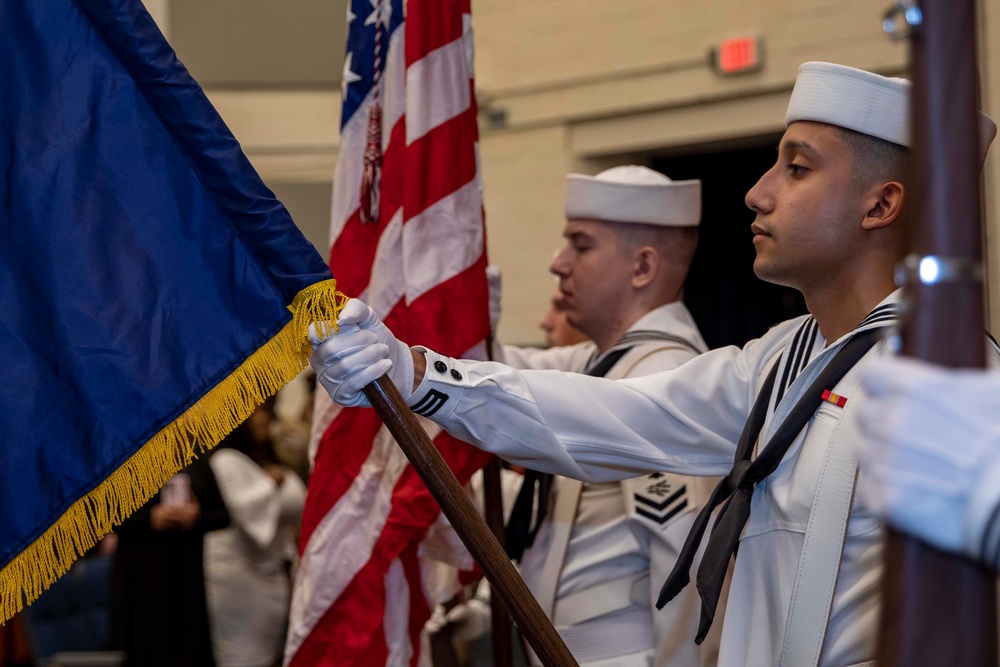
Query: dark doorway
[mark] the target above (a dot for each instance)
(729, 303)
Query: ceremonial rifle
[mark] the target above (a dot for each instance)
(940, 609)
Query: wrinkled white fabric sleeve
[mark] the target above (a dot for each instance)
(685, 421)
(251, 496)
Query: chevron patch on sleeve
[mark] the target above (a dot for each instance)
(659, 499)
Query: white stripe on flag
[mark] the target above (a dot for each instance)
(442, 241)
(393, 86)
(443, 79)
(347, 177)
(396, 622)
(342, 542)
(386, 286)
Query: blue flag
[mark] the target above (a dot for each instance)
(152, 289)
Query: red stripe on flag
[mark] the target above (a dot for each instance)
(348, 633)
(430, 25)
(420, 611)
(343, 449)
(393, 174)
(436, 321)
(440, 162)
(352, 624)
(352, 255)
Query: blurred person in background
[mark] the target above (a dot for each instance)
(159, 615)
(292, 422)
(247, 565)
(558, 331)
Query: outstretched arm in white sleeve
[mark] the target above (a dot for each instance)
(930, 464)
(685, 421)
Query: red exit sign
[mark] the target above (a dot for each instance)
(738, 56)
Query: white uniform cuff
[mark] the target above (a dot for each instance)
(445, 380)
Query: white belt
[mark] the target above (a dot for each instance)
(822, 548)
(616, 636)
(603, 599)
(563, 517)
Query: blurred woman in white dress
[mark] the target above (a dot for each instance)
(247, 566)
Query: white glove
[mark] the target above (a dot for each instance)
(932, 451)
(493, 280)
(362, 351)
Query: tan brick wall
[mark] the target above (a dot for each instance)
(583, 85)
(524, 175)
(628, 78)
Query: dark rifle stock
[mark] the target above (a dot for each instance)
(493, 506)
(499, 619)
(504, 579)
(940, 609)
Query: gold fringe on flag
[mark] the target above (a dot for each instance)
(199, 428)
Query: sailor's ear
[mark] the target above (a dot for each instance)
(885, 204)
(645, 267)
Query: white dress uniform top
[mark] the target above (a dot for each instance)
(597, 563)
(805, 586)
(590, 566)
(246, 576)
(687, 421)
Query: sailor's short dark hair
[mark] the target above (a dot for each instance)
(877, 159)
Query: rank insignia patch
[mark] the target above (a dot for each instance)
(660, 500)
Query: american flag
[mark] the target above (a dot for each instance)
(358, 597)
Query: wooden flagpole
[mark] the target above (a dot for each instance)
(504, 579)
(940, 609)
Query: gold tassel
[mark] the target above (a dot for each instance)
(198, 429)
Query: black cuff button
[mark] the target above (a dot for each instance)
(455, 374)
(440, 366)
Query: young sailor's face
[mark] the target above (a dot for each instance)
(594, 274)
(809, 209)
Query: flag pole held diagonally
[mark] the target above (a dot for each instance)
(940, 609)
(504, 580)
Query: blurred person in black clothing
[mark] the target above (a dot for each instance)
(159, 616)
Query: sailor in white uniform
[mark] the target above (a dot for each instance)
(602, 549)
(770, 416)
(931, 454)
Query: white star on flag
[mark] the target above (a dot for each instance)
(349, 76)
(386, 13)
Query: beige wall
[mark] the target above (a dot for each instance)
(570, 85)
(523, 174)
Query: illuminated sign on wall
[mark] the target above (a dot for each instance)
(737, 56)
